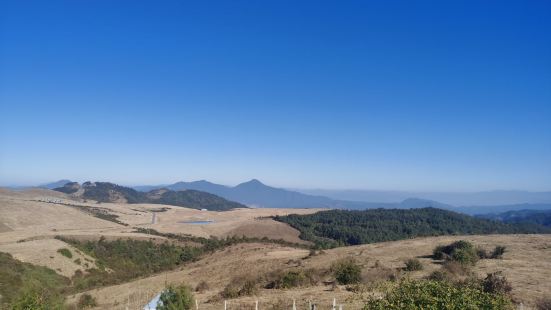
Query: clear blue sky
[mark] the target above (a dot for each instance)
(405, 95)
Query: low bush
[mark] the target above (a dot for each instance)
(460, 251)
(427, 294)
(346, 271)
(482, 253)
(413, 264)
(38, 299)
(202, 286)
(498, 252)
(292, 278)
(240, 286)
(65, 252)
(179, 297)
(86, 301)
(496, 283)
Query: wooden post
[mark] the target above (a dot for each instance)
(256, 305)
(196, 305)
(334, 304)
(294, 305)
(225, 305)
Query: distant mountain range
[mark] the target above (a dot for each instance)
(256, 194)
(541, 217)
(109, 192)
(485, 198)
(56, 184)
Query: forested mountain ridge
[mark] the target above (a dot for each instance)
(109, 192)
(342, 227)
(539, 217)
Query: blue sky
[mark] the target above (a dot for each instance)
(402, 95)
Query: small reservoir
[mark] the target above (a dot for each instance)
(202, 222)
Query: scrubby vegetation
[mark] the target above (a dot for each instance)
(498, 252)
(27, 286)
(214, 243)
(86, 301)
(341, 227)
(127, 259)
(176, 298)
(346, 271)
(429, 294)
(460, 251)
(65, 252)
(280, 279)
(413, 264)
(240, 286)
(464, 252)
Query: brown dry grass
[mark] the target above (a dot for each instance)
(526, 264)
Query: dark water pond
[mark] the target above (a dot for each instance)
(197, 222)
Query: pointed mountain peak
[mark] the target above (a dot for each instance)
(253, 182)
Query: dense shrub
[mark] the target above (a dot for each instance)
(496, 283)
(482, 253)
(460, 251)
(427, 294)
(38, 299)
(498, 252)
(293, 278)
(176, 298)
(65, 252)
(346, 271)
(86, 301)
(413, 264)
(240, 286)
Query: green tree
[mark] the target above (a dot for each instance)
(176, 298)
(346, 271)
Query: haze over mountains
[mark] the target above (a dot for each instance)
(254, 193)
(483, 198)
(109, 192)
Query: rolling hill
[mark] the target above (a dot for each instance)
(109, 192)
